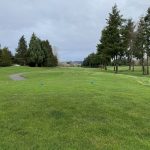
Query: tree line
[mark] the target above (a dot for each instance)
(38, 53)
(122, 42)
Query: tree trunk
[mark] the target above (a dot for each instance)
(130, 63)
(133, 66)
(129, 67)
(106, 67)
(147, 65)
(143, 68)
(117, 68)
(114, 67)
(116, 64)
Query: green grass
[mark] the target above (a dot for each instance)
(74, 109)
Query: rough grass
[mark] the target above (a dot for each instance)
(74, 109)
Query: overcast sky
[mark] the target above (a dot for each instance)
(72, 26)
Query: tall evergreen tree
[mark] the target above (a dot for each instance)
(128, 37)
(21, 52)
(139, 44)
(103, 51)
(49, 60)
(93, 61)
(147, 37)
(35, 53)
(113, 37)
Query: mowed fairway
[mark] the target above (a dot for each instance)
(74, 109)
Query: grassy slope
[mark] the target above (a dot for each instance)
(74, 109)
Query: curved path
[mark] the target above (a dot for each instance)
(17, 77)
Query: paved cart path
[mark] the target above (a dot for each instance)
(17, 77)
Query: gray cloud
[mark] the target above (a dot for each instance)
(73, 26)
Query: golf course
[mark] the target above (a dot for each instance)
(74, 109)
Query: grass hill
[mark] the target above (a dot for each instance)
(74, 109)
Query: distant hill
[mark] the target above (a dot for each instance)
(71, 63)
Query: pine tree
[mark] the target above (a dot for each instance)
(113, 39)
(139, 43)
(103, 51)
(147, 37)
(92, 61)
(128, 38)
(21, 52)
(49, 60)
(35, 53)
